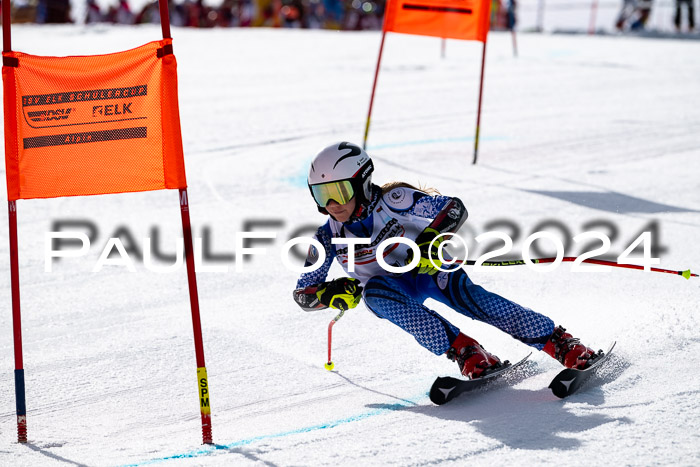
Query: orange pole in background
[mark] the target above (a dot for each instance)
(594, 10)
(374, 87)
(478, 112)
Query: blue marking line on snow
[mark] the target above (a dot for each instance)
(204, 451)
(461, 139)
(299, 179)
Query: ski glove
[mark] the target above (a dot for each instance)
(428, 245)
(342, 293)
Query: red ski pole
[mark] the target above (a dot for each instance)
(519, 262)
(330, 365)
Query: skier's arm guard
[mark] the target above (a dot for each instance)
(447, 213)
(450, 218)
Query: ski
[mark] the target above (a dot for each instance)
(570, 380)
(446, 388)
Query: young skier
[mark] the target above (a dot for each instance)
(340, 183)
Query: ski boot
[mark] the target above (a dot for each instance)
(473, 360)
(569, 350)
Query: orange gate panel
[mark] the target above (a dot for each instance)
(451, 19)
(88, 125)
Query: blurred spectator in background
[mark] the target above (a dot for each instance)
(511, 14)
(193, 12)
(235, 13)
(93, 14)
(53, 11)
(227, 14)
(293, 14)
(502, 15)
(149, 14)
(363, 15)
(628, 9)
(23, 11)
(120, 14)
(334, 12)
(208, 17)
(634, 15)
(246, 11)
(644, 10)
(316, 15)
(266, 13)
(691, 14)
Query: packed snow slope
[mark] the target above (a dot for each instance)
(578, 134)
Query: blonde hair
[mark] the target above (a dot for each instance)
(387, 187)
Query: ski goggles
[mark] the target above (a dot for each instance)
(340, 192)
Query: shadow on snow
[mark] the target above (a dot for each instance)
(529, 419)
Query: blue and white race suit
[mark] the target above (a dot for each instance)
(405, 212)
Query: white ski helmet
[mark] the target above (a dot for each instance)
(339, 172)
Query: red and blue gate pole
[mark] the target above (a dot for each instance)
(14, 273)
(17, 326)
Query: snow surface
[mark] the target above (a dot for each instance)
(576, 129)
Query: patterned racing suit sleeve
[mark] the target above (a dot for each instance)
(308, 283)
(448, 213)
